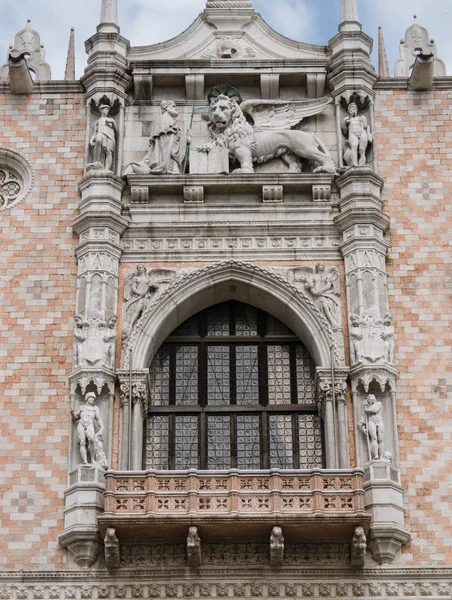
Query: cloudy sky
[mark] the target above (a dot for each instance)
(150, 21)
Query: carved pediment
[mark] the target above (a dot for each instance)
(246, 37)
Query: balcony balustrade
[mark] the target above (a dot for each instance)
(237, 505)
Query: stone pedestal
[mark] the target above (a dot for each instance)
(84, 502)
(214, 162)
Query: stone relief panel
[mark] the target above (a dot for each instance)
(95, 340)
(141, 287)
(230, 47)
(346, 587)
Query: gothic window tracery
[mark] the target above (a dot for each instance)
(233, 387)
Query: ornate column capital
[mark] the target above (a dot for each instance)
(324, 381)
(140, 389)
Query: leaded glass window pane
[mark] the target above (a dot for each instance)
(248, 442)
(186, 442)
(218, 320)
(278, 374)
(218, 375)
(160, 377)
(281, 442)
(305, 376)
(310, 441)
(247, 374)
(186, 375)
(275, 327)
(157, 446)
(219, 442)
(246, 320)
(187, 328)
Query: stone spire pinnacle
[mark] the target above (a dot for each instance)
(229, 4)
(383, 67)
(109, 16)
(349, 16)
(70, 62)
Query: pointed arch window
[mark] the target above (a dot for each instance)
(233, 387)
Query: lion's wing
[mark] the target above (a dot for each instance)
(282, 114)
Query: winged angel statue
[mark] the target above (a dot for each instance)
(140, 287)
(324, 288)
(270, 136)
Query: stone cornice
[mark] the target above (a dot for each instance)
(363, 216)
(49, 87)
(402, 83)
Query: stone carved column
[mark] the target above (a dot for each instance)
(363, 225)
(134, 407)
(332, 401)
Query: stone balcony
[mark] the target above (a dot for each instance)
(238, 505)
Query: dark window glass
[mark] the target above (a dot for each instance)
(233, 387)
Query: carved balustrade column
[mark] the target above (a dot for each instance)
(332, 402)
(134, 408)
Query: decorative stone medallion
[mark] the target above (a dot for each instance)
(16, 178)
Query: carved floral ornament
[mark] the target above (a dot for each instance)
(16, 178)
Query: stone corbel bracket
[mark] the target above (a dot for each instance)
(276, 548)
(358, 548)
(194, 554)
(112, 549)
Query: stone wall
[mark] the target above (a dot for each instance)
(37, 298)
(415, 159)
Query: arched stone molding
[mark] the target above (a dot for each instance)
(231, 280)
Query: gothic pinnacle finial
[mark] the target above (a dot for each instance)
(349, 16)
(109, 15)
(383, 67)
(70, 62)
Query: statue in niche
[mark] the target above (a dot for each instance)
(90, 428)
(323, 286)
(388, 338)
(168, 146)
(373, 427)
(94, 340)
(140, 288)
(356, 339)
(103, 141)
(270, 135)
(359, 137)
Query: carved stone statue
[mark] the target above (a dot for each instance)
(356, 339)
(373, 427)
(103, 141)
(168, 145)
(271, 136)
(388, 337)
(88, 419)
(323, 286)
(276, 547)
(94, 340)
(358, 134)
